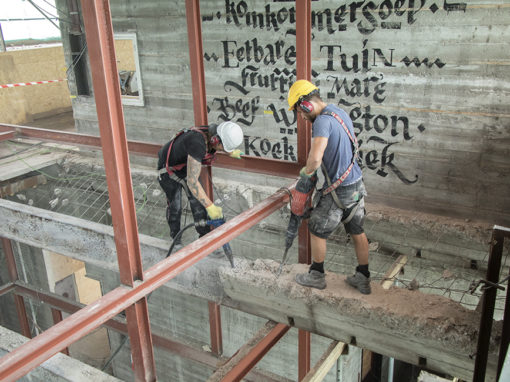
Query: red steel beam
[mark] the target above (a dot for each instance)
(52, 135)
(144, 148)
(18, 300)
(215, 328)
(57, 317)
(7, 288)
(489, 303)
(304, 352)
(167, 344)
(101, 50)
(251, 353)
(249, 163)
(196, 54)
(303, 71)
(6, 135)
(31, 354)
(9, 258)
(105, 78)
(59, 303)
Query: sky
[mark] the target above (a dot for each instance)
(19, 9)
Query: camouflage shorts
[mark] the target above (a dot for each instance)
(327, 216)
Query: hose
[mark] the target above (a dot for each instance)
(177, 238)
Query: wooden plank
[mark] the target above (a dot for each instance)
(389, 277)
(387, 281)
(326, 362)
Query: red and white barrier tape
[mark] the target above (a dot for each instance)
(30, 83)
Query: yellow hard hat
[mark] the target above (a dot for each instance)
(299, 89)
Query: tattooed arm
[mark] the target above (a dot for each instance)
(193, 172)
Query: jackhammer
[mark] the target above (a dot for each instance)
(202, 223)
(300, 198)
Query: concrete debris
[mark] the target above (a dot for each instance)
(373, 246)
(447, 274)
(53, 203)
(413, 285)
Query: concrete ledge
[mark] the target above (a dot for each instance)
(427, 330)
(58, 368)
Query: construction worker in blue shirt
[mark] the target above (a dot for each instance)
(334, 149)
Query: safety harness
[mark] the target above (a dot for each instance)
(208, 159)
(332, 186)
(355, 150)
(170, 170)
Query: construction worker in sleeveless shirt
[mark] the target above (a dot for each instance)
(179, 166)
(334, 149)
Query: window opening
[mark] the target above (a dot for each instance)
(128, 66)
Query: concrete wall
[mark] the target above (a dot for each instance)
(59, 368)
(426, 84)
(21, 104)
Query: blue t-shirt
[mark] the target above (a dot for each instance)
(338, 154)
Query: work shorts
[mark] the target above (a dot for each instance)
(327, 216)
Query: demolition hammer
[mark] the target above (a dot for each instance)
(202, 223)
(298, 207)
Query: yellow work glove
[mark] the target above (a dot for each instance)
(236, 154)
(304, 174)
(214, 212)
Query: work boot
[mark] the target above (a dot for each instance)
(313, 279)
(360, 282)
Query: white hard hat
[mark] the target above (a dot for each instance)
(231, 135)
